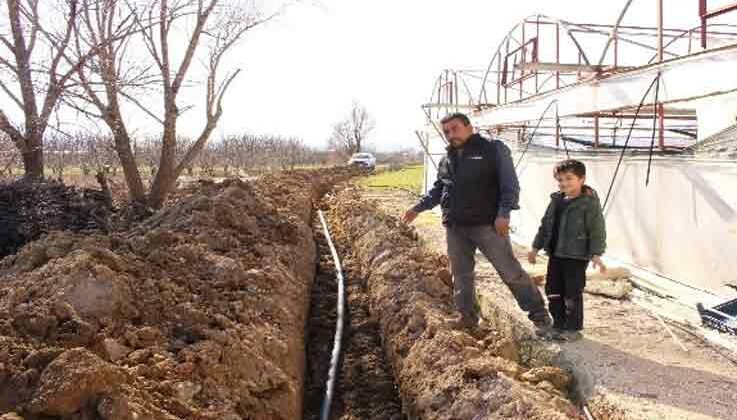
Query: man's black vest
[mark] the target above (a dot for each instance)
(471, 183)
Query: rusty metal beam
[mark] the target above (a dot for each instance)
(705, 15)
(660, 31)
(570, 67)
(641, 116)
(720, 11)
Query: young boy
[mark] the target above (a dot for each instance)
(572, 233)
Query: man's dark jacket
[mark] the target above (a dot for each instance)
(476, 183)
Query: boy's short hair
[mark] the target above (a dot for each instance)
(576, 167)
(463, 118)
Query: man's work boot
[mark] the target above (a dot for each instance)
(543, 327)
(568, 336)
(461, 323)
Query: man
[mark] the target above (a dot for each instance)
(477, 188)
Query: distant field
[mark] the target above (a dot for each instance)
(408, 178)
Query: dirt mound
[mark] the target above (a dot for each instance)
(198, 313)
(31, 209)
(442, 373)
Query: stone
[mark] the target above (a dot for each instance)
(71, 381)
(114, 350)
(120, 408)
(559, 378)
(186, 390)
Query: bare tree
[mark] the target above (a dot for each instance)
(350, 135)
(109, 77)
(211, 25)
(38, 67)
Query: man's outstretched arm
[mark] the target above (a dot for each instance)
(431, 199)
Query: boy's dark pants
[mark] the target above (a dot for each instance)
(564, 286)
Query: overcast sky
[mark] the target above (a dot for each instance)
(302, 71)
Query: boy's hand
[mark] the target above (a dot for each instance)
(532, 256)
(409, 216)
(598, 263)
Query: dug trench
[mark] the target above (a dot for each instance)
(365, 387)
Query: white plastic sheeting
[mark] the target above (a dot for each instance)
(682, 226)
(715, 113)
(683, 79)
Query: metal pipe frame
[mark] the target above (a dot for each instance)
(705, 14)
(518, 50)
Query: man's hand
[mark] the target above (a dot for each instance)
(598, 263)
(532, 256)
(501, 225)
(409, 216)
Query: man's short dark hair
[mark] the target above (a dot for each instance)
(456, 116)
(576, 167)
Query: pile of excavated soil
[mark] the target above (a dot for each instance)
(442, 373)
(198, 313)
(31, 209)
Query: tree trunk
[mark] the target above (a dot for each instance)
(33, 158)
(166, 176)
(136, 190)
(166, 179)
(163, 182)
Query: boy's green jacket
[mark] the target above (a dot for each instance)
(582, 230)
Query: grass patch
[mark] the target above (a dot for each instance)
(407, 178)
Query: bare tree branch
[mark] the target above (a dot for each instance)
(10, 130)
(12, 96)
(6, 43)
(142, 107)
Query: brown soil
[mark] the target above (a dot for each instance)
(365, 387)
(198, 313)
(442, 373)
